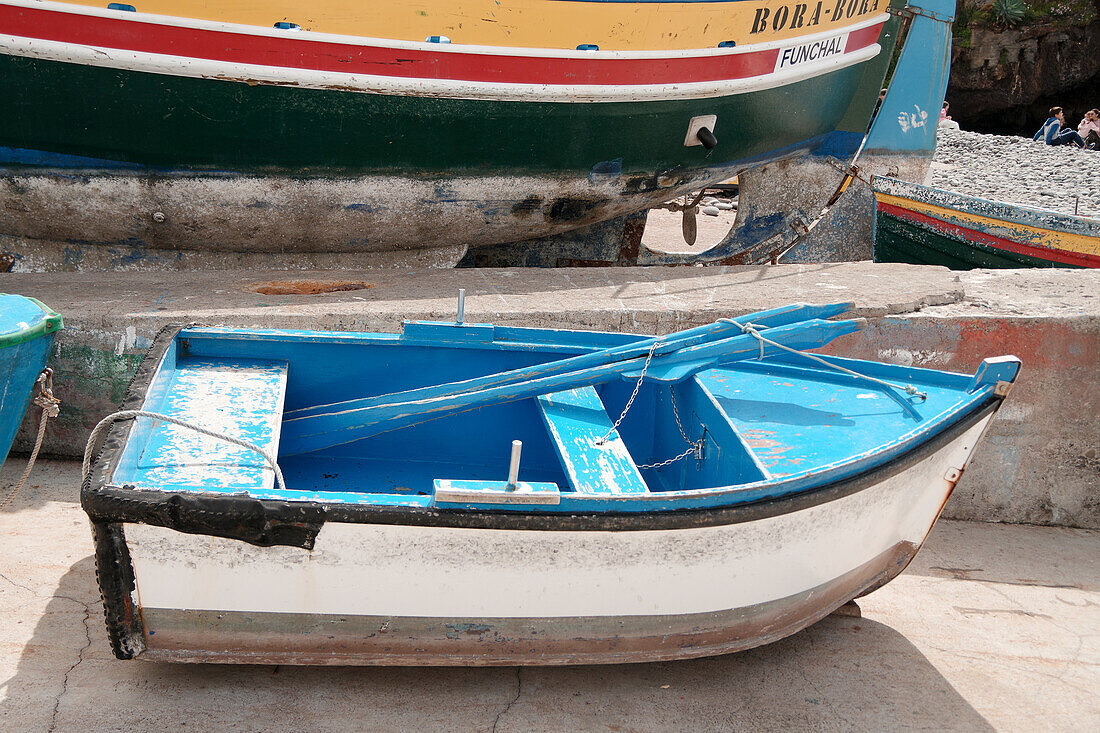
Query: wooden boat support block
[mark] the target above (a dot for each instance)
(578, 423)
(459, 492)
(242, 398)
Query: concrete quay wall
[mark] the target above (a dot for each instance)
(1039, 463)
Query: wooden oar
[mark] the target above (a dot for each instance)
(317, 432)
(785, 315)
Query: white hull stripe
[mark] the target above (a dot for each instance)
(401, 570)
(311, 79)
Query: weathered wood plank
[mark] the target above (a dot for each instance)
(577, 423)
(238, 397)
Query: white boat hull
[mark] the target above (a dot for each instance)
(398, 594)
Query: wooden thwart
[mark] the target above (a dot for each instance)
(578, 423)
(239, 397)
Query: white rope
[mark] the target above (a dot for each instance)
(102, 425)
(51, 407)
(751, 330)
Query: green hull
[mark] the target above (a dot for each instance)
(901, 241)
(189, 124)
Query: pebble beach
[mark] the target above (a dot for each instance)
(1019, 171)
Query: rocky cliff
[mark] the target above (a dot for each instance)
(1003, 80)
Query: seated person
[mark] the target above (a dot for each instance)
(1055, 132)
(945, 119)
(1089, 129)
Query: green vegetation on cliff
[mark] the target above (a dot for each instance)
(1020, 14)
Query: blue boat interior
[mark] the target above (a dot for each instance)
(746, 431)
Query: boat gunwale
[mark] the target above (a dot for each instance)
(50, 322)
(977, 206)
(297, 523)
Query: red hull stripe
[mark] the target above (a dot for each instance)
(1079, 259)
(297, 53)
(862, 38)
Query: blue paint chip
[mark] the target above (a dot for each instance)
(437, 39)
(727, 44)
(121, 6)
(606, 170)
(588, 47)
(284, 26)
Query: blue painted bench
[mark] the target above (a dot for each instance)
(239, 397)
(577, 421)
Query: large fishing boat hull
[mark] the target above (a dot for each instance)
(799, 490)
(930, 226)
(165, 133)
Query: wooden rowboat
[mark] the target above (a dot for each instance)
(931, 226)
(27, 330)
(680, 496)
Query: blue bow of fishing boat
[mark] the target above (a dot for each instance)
(26, 337)
(669, 496)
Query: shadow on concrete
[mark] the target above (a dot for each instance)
(844, 673)
(675, 280)
(1011, 554)
(51, 479)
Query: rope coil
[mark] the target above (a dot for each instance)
(102, 426)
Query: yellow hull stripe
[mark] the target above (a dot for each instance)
(1034, 236)
(558, 24)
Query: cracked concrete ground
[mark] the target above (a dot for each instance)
(993, 627)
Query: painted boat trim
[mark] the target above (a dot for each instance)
(467, 73)
(251, 638)
(904, 212)
(125, 20)
(1022, 230)
(530, 23)
(49, 321)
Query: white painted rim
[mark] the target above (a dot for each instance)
(309, 79)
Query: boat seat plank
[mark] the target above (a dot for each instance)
(577, 421)
(242, 398)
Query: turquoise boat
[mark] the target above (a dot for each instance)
(27, 330)
(469, 494)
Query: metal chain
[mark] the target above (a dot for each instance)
(676, 414)
(687, 452)
(693, 446)
(51, 407)
(614, 427)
